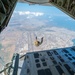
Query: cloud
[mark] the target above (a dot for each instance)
(24, 13)
(30, 16)
(50, 18)
(29, 13)
(12, 15)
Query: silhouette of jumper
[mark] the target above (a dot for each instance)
(37, 43)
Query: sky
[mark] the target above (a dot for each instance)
(37, 8)
(52, 14)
